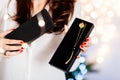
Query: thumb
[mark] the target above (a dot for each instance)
(2, 34)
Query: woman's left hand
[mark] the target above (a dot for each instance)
(85, 44)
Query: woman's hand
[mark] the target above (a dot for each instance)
(5, 49)
(85, 44)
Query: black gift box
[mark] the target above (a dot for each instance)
(33, 28)
(68, 50)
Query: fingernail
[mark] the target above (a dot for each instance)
(21, 50)
(87, 39)
(81, 46)
(21, 42)
(84, 43)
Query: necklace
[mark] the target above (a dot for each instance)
(81, 30)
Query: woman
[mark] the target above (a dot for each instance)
(32, 63)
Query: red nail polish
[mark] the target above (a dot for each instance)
(22, 48)
(84, 43)
(21, 42)
(21, 51)
(81, 46)
(87, 39)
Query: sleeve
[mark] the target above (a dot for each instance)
(3, 7)
(8, 11)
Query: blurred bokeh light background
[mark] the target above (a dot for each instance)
(105, 38)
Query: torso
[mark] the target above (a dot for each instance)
(33, 63)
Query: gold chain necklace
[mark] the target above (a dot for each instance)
(81, 30)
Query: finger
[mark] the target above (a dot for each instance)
(87, 39)
(10, 54)
(7, 47)
(14, 53)
(86, 43)
(9, 41)
(83, 48)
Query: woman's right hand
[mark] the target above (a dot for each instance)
(5, 47)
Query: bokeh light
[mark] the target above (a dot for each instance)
(101, 13)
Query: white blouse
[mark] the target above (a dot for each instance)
(32, 63)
